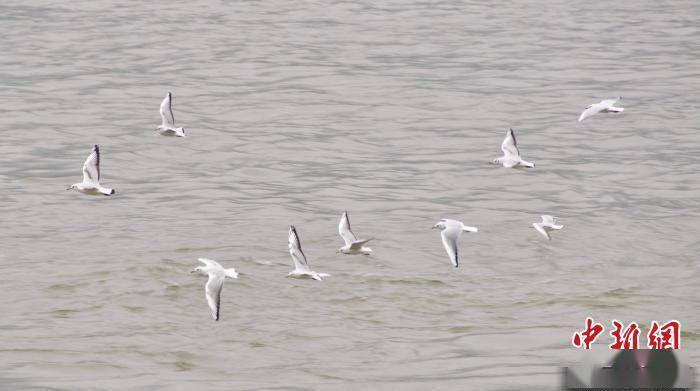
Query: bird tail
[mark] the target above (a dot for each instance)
(107, 192)
(467, 228)
(614, 109)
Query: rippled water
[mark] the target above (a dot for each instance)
(297, 111)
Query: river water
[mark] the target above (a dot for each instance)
(298, 110)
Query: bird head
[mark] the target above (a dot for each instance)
(440, 225)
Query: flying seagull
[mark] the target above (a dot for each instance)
(352, 245)
(167, 127)
(301, 267)
(450, 232)
(212, 289)
(605, 106)
(511, 154)
(548, 223)
(91, 176)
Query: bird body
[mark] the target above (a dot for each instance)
(301, 266)
(450, 231)
(604, 106)
(352, 244)
(215, 283)
(91, 176)
(548, 223)
(167, 126)
(511, 153)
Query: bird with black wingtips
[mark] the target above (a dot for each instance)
(215, 284)
(91, 176)
(352, 244)
(511, 154)
(547, 224)
(450, 231)
(301, 266)
(167, 126)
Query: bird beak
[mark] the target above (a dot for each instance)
(68, 188)
(193, 271)
(434, 226)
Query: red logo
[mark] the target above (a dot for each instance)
(627, 340)
(586, 337)
(666, 336)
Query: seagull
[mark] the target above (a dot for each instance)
(167, 127)
(212, 289)
(301, 267)
(548, 223)
(91, 176)
(450, 232)
(605, 106)
(511, 154)
(352, 245)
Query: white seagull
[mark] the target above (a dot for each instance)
(511, 154)
(548, 223)
(91, 176)
(212, 289)
(450, 232)
(605, 106)
(352, 245)
(301, 267)
(167, 127)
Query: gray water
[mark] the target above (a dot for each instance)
(297, 111)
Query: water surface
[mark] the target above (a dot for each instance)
(297, 111)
